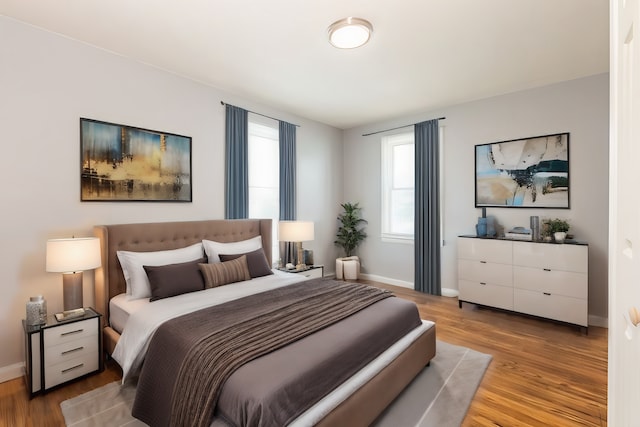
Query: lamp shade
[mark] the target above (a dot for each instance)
(70, 255)
(295, 231)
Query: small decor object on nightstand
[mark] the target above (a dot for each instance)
(36, 311)
(69, 314)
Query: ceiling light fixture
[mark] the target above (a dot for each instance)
(349, 33)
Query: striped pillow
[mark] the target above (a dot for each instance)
(223, 273)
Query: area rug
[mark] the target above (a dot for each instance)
(439, 396)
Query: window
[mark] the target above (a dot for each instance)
(264, 173)
(398, 163)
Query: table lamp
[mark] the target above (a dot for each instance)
(71, 257)
(298, 232)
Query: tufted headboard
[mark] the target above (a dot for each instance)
(146, 237)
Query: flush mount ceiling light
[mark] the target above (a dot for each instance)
(349, 33)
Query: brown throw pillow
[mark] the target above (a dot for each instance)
(174, 279)
(256, 261)
(223, 273)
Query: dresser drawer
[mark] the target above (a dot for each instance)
(555, 282)
(487, 294)
(70, 332)
(481, 271)
(557, 307)
(489, 250)
(70, 350)
(552, 256)
(71, 369)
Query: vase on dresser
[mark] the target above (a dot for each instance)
(559, 236)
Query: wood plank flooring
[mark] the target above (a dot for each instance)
(542, 373)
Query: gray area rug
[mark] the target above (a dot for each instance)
(439, 396)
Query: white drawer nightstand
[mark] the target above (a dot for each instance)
(57, 352)
(312, 271)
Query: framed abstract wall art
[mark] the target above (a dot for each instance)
(125, 163)
(523, 173)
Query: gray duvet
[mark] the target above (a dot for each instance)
(265, 359)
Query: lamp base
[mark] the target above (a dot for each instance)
(300, 265)
(72, 290)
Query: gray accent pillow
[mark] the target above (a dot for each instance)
(174, 279)
(256, 261)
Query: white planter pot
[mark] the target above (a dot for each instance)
(559, 236)
(348, 268)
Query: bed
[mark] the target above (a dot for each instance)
(356, 402)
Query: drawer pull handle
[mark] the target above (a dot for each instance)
(547, 269)
(546, 293)
(483, 283)
(72, 350)
(64, 371)
(483, 262)
(77, 331)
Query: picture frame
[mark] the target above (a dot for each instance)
(127, 163)
(524, 173)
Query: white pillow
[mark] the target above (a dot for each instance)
(134, 274)
(214, 249)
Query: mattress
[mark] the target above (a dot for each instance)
(121, 307)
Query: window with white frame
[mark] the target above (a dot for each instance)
(398, 165)
(264, 172)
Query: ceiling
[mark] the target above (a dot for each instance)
(424, 54)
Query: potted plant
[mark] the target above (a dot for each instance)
(350, 234)
(557, 228)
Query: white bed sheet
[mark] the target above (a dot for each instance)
(121, 307)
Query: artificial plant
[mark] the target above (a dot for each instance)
(350, 230)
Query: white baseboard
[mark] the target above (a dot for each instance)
(446, 292)
(11, 372)
(387, 280)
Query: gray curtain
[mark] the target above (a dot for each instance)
(236, 163)
(287, 185)
(427, 208)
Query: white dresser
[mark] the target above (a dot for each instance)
(542, 279)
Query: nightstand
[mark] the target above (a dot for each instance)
(312, 271)
(57, 352)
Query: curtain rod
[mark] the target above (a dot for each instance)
(399, 127)
(263, 115)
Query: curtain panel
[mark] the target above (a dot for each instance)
(427, 208)
(236, 163)
(287, 132)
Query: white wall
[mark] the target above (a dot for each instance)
(579, 107)
(47, 83)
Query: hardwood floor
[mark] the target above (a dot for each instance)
(542, 373)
